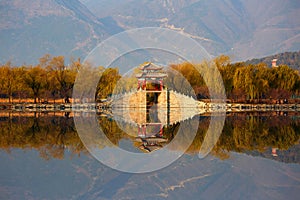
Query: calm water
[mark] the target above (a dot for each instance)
(256, 157)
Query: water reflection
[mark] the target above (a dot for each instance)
(42, 157)
(243, 132)
(272, 135)
(51, 133)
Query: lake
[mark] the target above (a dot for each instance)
(257, 156)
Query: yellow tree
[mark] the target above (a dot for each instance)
(244, 79)
(10, 80)
(107, 82)
(64, 75)
(19, 85)
(283, 81)
(263, 80)
(86, 81)
(227, 72)
(35, 80)
(284, 77)
(51, 86)
(188, 77)
(3, 79)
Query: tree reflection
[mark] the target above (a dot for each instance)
(245, 132)
(50, 133)
(54, 133)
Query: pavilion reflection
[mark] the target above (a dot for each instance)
(149, 134)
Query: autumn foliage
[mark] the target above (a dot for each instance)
(51, 79)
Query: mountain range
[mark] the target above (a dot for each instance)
(239, 28)
(31, 29)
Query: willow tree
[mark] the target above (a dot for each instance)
(188, 73)
(86, 80)
(252, 80)
(227, 72)
(107, 82)
(284, 77)
(262, 80)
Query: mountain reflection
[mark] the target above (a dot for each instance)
(254, 133)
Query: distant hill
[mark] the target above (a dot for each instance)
(30, 29)
(292, 59)
(242, 29)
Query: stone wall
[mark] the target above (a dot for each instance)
(133, 106)
(130, 100)
(138, 99)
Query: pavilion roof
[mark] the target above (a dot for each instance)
(150, 66)
(151, 75)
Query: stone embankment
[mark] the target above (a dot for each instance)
(187, 105)
(52, 107)
(240, 107)
(262, 107)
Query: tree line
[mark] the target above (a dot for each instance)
(245, 82)
(52, 79)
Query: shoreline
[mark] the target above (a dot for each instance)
(230, 107)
